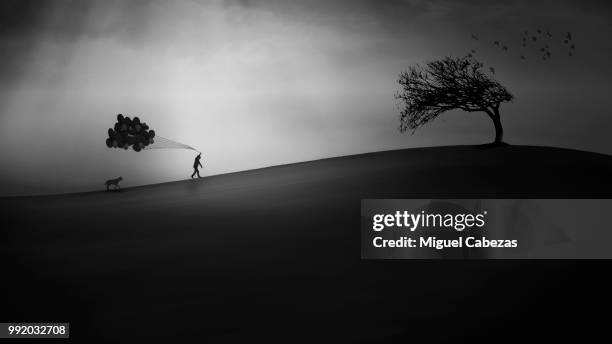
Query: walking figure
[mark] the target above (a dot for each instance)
(196, 164)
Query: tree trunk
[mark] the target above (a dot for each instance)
(499, 130)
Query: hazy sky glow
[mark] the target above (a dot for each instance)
(260, 83)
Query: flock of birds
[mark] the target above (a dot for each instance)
(538, 42)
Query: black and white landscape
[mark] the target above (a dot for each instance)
(300, 109)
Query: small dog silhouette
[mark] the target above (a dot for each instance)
(114, 182)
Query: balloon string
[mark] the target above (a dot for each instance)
(164, 143)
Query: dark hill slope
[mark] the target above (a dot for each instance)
(273, 254)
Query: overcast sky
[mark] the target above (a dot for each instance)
(260, 83)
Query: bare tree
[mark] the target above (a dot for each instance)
(448, 84)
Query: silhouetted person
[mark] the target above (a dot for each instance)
(196, 164)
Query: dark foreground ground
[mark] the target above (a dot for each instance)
(274, 254)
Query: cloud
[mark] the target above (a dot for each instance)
(256, 83)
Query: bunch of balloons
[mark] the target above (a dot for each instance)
(130, 133)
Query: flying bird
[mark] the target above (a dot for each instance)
(569, 35)
(473, 51)
(496, 43)
(572, 46)
(533, 38)
(505, 48)
(474, 37)
(522, 57)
